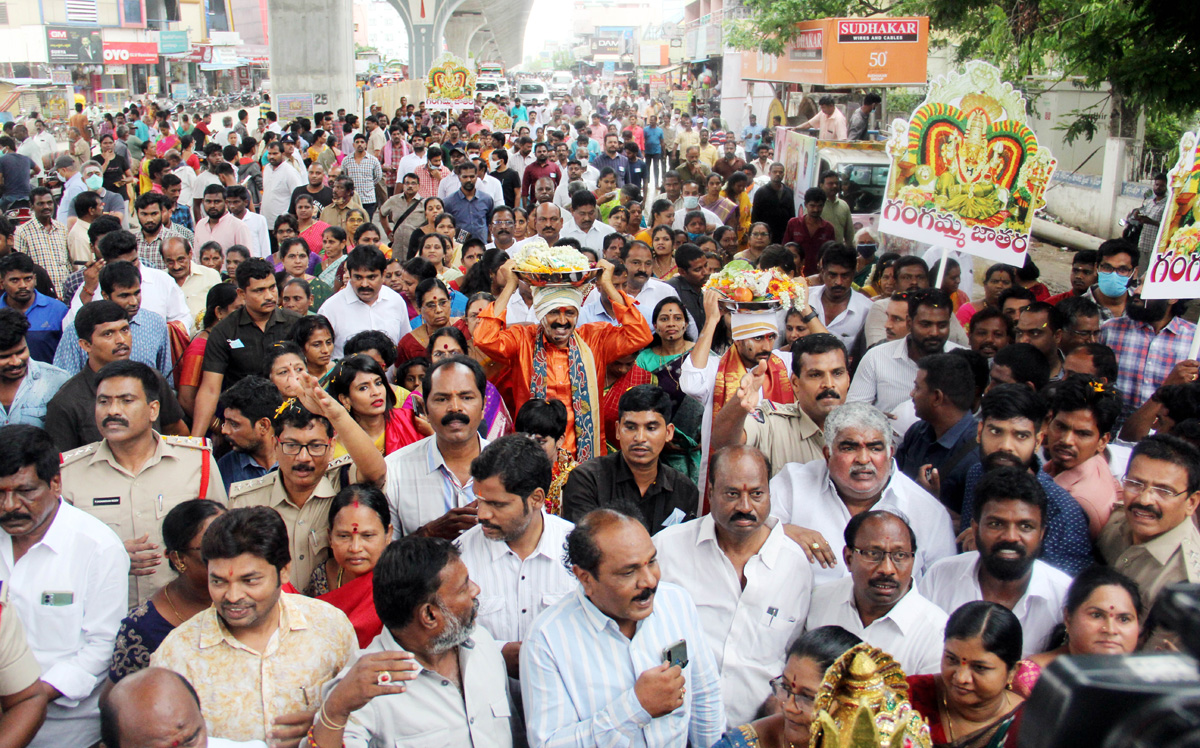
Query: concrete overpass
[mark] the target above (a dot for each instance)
(312, 45)
(487, 29)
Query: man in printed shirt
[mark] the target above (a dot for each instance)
(258, 657)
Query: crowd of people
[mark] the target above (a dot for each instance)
(246, 369)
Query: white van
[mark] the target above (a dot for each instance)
(561, 84)
(529, 91)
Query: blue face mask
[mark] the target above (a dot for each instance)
(1112, 285)
(695, 238)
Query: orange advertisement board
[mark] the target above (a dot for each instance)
(849, 52)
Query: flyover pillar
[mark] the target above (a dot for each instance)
(312, 51)
(459, 30)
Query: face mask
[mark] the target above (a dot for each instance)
(695, 238)
(493, 164)
(1112, 284)
(691, 201)
(94, 182)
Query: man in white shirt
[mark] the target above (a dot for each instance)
(187, 178)
(156, 706)
(454, 690)
(859, 473)
(1009, 525)
(237, 200)
(278, 184)
(365, 303)
(595, 668)
(514, 553)
(841, 309)
(750, 582)
(586, 228)
(67, 575)
(887, 373)
(647, 290)
(429, 485)
(574, 171)
(409, 163)
(879, 601)
(159, 291)
(911, 274)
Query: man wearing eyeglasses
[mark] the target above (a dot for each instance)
(878, 601)
(1008, 525)
(1082, 323)
(303, 487)
(1152, 538)
(1117, 263)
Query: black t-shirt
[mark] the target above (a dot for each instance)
(16, 169)
(237, 348)
(114, 173)
(322, 199)
(510, 183)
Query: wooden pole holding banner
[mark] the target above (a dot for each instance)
(942, 266)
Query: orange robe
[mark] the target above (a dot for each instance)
(513, 346)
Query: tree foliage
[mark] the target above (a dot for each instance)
(1148, 50)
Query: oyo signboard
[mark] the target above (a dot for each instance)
(1174, 269)
(848, 52)
(967, 172)
(131, 53)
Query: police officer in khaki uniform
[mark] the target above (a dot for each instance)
(22, 701)
(303, 487)
(132, 477)
(1153, 539)
(788, 432)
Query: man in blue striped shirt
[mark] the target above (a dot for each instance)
(593, 667)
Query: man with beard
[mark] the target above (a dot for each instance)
(737, 563)
(878, 601)
(43, 314)
(887, 372)
(1153, 538)
(134, 475)
(26, 384)
(593, 670)
(514, 554)
(258, 657)
(1149, 341)
(308, 477)
(1009, 433)
(990, 331)
(715, 380)
(248, 408)
(791, 432)
(317, 189)
(858, 473)
(636, 475)
(451, 673)
(365, 303)
(939, 450)
(237, 199)
(841, 310)
(1083, 411)
(1149, 217)
(774, 203)
(911, 273)
(1008, 526)
(104, 333)
(64, 573)
(541, 167)
(429, 484)
(1041, 326)
(401, 214)
(557, 357)
(408, 164)
(468, 205)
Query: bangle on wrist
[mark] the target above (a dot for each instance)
(809, 317)
(327, 722)
(312, 739)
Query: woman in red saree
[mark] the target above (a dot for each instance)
(974, 702)
(620, 376)
(360, 529)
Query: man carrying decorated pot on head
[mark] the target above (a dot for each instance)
(558, 358)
